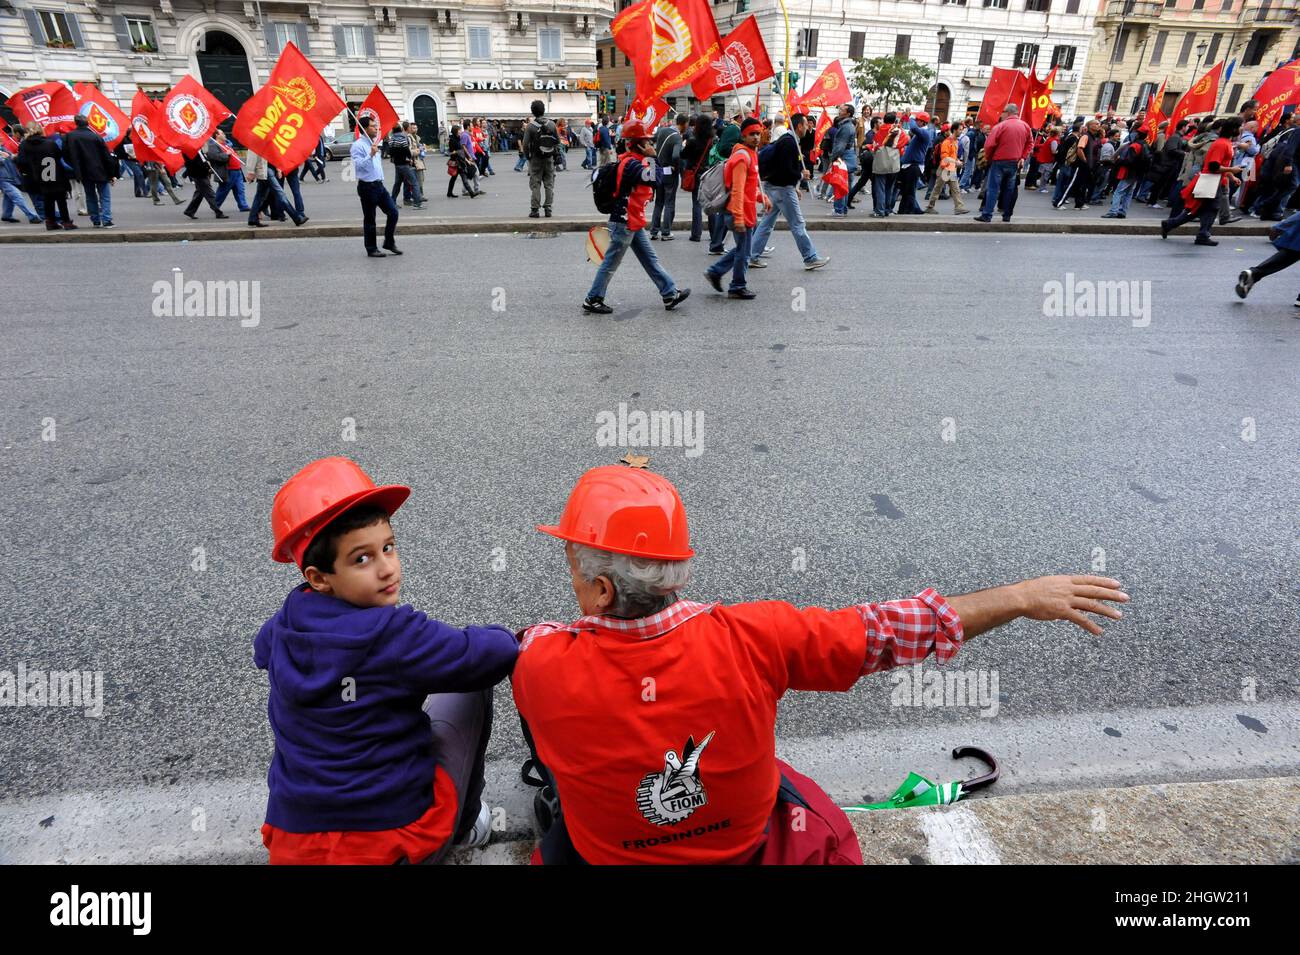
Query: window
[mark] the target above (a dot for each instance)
(417, 44)
(354, 40)
(1072, 6)
(807, 43)
(54, 29)
(986, 53)
(141, 34)
(856, 43)
(480, 43)
(902, 44)
(1213, 51)
(1185, 53)
(1144, 94)
(600, 59)
(1038, 6)
(284, 33)
(1063, 56)
(1108, 95)
(1234, 97)
(1000, 4)
(960, 3)
(1026, 53)
(1257, 47)
(1227, 5)
(550, 45)
(1198, 4)
(945, 51)
(1170, 3)
(1121, 44)
(1158, 48)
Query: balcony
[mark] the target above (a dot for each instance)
(1274, 13)
(1133, 11)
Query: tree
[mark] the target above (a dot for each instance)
(888, 79)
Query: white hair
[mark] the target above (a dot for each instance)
(642, 586)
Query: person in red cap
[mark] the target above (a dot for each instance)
(635, 180)
(651, 717)
(362, 771)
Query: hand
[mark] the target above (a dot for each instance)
(1066, 597)
(767, 204)
(1286, 171)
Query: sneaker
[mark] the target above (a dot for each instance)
(768, 251)
(654, 236)
(1200, 240)
(8, 219)
(982, 219)
(681, 295)
(714, 280)
(818, 263)
(717, 252)
(596, 305)
(663, 238)
(479, 835)
(741, 293)
(757, 264)
(1245, 282)
(1110, 215)
(962, 212)
(1164, 228)
(107, 225)
(931, 211)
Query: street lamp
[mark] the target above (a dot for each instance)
(1200, 52)
(938, 61)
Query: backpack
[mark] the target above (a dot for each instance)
(711, 189)
(605, 182)
(544, 141)
(1129, 156)
(765, 160)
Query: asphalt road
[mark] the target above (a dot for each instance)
(823, 434)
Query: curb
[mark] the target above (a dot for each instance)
(922, 223)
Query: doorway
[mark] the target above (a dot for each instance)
(223, 69)
(426, 119)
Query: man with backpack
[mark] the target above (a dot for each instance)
(781, 167)
(1131, 163)
(621, 191)
(541, 143)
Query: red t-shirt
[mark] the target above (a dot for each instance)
(744, 202)
(659, 732)
(1220, 151)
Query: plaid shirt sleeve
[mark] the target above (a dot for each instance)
(900, 632)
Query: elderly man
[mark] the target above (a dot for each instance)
(651, 717)
(1007, 148)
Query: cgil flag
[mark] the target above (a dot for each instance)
(830, 89)
(823, 124)
(376, 104)
(52, 105)
(1038, 98)
(1155, 116)
(283, 120)
(742, 61)
(1005, 86)
(1200, 98)
(149, 145)
(670, 43)
(7, 142)
(647, 114)
(102, 114)
(188, 114)
(1280, 89)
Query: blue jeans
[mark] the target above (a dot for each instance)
(1063, 176)
(620, 239)
(1124, 193)
(967, 173)
(590, 161)
(785, 201)
(234, 183)
(661, 223)
(737, 259)
(883, 192)
(842, 203)
(13, 198)
(717, 231)
(99, 202)
(291, 180)
(1002, 186)
(406, 177)
(523, 161)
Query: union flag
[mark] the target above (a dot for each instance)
(150, 146)
(1279, 90)
(376, 104)
(7, 142)
(1200, 98)
(102, 114)
(1155, 116)
(188, 114)
(52, 105)
(283, 120)
(670, 42)
(823, 124)
(742, 61)
(1005, 87)
(1038, 98)
(647, 114)
(831, 89)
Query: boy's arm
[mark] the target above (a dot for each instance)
(435, 657)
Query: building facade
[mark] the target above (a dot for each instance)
(979, 35)
(1140, 44)
(436, 60)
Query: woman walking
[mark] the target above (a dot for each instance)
(1218, 160)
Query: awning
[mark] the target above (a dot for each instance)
(516, 105)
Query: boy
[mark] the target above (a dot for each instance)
(741, 177)
(637, 177)
(360, 774)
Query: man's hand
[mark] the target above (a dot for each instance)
(767, 203)
(1066, 597)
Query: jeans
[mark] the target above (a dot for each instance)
(1063, 176)
(406, 177)
(661, 223)
(620, 238)
(291, 181)
(138, 176)
(1124, 193)
(374, 196)
(785, 201)
(268, 190)
(99, 202)
(737, 259)
(13, 198)
(717, 231)
(1275, 192)
(967, 173)
(523, 161)
(234, 183)
(590, 161)
(883, 191)
(1002, 186)
(1207, 212)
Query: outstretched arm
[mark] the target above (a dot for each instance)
(1062, 597)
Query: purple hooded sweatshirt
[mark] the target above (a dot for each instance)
(362, 760)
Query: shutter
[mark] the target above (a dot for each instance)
(268, 29)
(123, 34)
(34, 25)
(304, 39)
(75, 29)
(340, 46)
(370, 41)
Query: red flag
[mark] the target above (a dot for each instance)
(282, 121)
(823, 124)
(1279, 90)
(7, 142)
(188, 115)
(831, 89)
(149, 146)
(670, 42)
(1200, 98)
(102, 114)
(1155, 115)
(50, 104)
(742, 61)
(1005, 86)
(377, 105)
(1039, 99)
(647, 114)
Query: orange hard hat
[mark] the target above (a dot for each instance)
(922, 117)
(635, 130)
(316, 495)
(627, 511)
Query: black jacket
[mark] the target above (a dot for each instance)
(785, 161)
(39, 153)
(89, 156)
